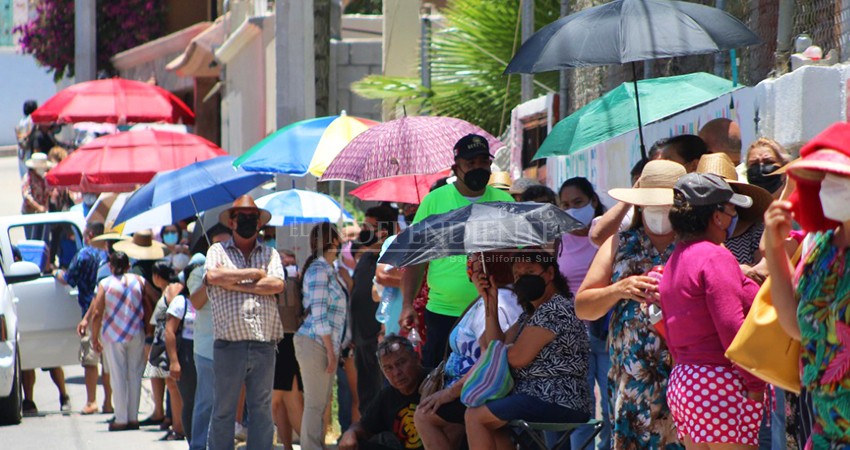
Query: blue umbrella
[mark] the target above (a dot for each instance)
(295, 206)
(178, 194)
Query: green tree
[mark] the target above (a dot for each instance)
(468, 57)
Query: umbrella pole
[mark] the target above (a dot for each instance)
(637, 103)
(199, 221)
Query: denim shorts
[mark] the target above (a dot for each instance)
(532, 409)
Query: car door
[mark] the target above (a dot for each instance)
(48, 311)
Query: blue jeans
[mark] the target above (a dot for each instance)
(252, 363)
(772, 431)
(204, 395)
(344, 400)
(600, 364)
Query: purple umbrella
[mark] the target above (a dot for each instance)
(406, 146)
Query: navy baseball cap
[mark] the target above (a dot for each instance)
(472, 145)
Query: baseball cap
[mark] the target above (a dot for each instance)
(701, 189)
(472, 145)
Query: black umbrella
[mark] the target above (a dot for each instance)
(479, 227)
(627, 31)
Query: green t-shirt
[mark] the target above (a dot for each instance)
(450, 290)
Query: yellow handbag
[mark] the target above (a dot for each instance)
(763, 348)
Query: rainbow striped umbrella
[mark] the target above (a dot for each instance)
(307, 146)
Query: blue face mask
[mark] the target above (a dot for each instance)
(270, 242)
(732, 225)
(169, 238)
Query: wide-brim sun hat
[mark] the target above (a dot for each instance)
(142, 246)
(244, 203)
(39, 161)
(521, 184)
(500, 180)
(103, 240)
(720, 164)
(655, 185)
(828, 152)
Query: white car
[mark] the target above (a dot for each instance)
(38, 315)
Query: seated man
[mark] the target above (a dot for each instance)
(388, 421)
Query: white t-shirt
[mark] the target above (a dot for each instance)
(176, 308)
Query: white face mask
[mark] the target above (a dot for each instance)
(657, 219)
(583, 214)
(834, 191)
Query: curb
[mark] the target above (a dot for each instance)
(8, 150)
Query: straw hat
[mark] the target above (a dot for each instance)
(39, 161)
(521, 184)
(244, 203)
(142, 246)
(500, 180)
(104, 239)
(655, 185)
(720, 164)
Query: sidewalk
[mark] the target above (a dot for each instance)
(8, 150)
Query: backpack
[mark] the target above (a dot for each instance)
(289, 304)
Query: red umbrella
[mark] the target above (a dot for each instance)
(113, 100)
(402, 188)
(120, 162)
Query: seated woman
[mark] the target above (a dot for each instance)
(548, 353)
(439, 417)
(705, 297)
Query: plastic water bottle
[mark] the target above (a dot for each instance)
(414, 337)
(382, 315)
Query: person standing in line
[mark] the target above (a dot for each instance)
(118, 311)
(242, 279)
(318, 341)
(450, 290)
(24, 134)
(82, 274)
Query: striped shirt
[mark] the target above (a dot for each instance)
(124, 311)
(239, 316)
(325, 302)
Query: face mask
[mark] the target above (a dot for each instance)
(270, 242)
(731, 229)
(757, 175)
(409, 218)
(89, 199)
(246, 226)
(169, 238)
(834, 190)
(583, 214)
(529, 288)
(657, 220)
(476, 179)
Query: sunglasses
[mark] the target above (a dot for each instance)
(394, 347)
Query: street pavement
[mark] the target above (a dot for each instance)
(52, 429)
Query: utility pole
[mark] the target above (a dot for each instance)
(564, 91)
(85, 40)
(322, 44)
(527, 80)
(295, 96)
(719, 57)
(783, 35)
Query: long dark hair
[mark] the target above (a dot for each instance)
(119, 262)
(321, 238)
(165, 271)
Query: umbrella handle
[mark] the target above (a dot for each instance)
(483, 265)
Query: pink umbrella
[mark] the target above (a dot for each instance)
(406, 146)
(402, 188)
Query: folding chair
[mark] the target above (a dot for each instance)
(535, 432)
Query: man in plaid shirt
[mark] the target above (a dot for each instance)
(242, 277)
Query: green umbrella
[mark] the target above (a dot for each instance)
(613, 114)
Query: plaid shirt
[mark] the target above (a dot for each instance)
(238, 316)
(326, 303)
(123, 312)
(82, 274)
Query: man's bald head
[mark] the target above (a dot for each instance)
(723, 136)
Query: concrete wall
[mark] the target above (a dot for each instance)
(22, 79)
(354, 59)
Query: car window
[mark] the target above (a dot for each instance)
(48, 245)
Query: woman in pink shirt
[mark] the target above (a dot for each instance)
(704, 299)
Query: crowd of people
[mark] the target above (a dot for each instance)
(626, 319)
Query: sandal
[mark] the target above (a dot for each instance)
(173, 436)
(118, 426)
(89, 409)
(107, 409)
(165, 425)
(28, 408)
(150, 421)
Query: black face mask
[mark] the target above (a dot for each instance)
(247, 226)
(476, 179)
(529, 288)
(757, 175)
(409, 218)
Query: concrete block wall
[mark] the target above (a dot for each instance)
(354, 59)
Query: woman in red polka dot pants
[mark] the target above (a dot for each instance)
(704, 298)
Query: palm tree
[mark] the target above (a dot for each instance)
(468, 57)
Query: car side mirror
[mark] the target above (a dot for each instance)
(22, 271)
